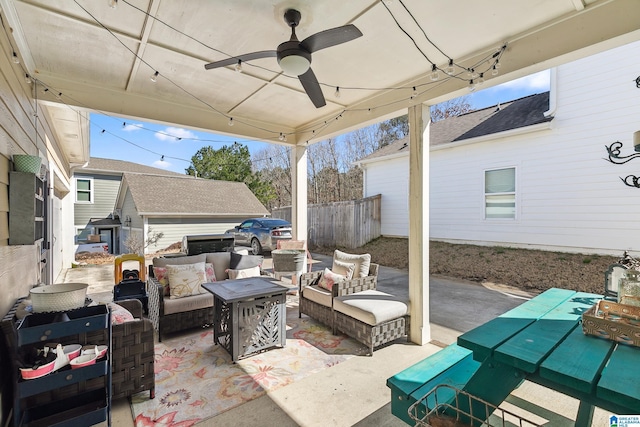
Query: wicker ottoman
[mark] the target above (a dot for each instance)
(371, 317)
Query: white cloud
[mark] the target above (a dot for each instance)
(537, 81)
(131, 127)
(162, 164)
(172, 134)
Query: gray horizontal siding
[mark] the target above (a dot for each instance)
(105, 192)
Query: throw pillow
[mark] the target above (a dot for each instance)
(329, 278)
(160, 273)
(244, 273)
(241, 262)
(210, 273)
(362, 262)
(181, 260)
(185, 280)
(119, 314)
(345, 269)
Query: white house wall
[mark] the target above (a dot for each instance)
(174, 229)
(390, 178)
(567, 197)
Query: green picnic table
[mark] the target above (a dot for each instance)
(541, 341)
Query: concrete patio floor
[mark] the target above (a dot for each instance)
(354, 393)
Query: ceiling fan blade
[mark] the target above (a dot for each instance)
(244, 58)
(331, 37)
(312, 87)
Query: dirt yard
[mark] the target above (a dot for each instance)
(529, 270)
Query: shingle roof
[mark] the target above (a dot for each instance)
(169, 195)
(514, 114)
(97, 164)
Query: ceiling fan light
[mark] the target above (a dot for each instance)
(294, 65)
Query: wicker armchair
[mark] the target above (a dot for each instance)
(324, 312)
(167, 323)
(132, 354)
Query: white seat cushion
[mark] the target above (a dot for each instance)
(193, 302)
(371, 307)
(317, 294)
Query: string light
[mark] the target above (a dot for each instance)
(281, 137)
(154, 77)
(162, 158)
(27, 78)
(239, 66)
(230, 121)
(15, 58)
(113, 4)
(414, 93)
(434, 73)
(480, 79)
(494, 70)
(449, 70)
(472, 85)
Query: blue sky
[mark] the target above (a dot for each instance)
(146, 143)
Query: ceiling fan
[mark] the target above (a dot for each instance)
(294, 56)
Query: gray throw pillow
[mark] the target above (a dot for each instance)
(241, 262)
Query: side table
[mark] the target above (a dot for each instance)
(249, 315)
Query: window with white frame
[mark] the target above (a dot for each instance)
(500, 193)
(84, 190)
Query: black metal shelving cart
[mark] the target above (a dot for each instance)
(66, 397)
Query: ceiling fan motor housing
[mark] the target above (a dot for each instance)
(293, 59)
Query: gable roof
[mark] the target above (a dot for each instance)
(177, 195)
(515, 114)
(117, 167)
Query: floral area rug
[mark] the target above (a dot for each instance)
(196, 379)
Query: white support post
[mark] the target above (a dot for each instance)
(419, 120)
(299, 192)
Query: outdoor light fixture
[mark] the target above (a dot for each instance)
(154, 77)
(294, 62)
(613, 151)
(15, 58)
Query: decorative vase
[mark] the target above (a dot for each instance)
(27, 163)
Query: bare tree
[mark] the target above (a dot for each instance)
(137, 246)
(451, 108)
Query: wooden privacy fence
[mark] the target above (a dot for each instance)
(349, 224)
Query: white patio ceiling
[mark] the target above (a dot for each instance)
(101, 59)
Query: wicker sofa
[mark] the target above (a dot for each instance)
(354, 306)
(176, 314)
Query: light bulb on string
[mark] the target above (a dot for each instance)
(414, 93)
(154, 77)
(238, 66)
(27, 78)
(449, 69)
(15, 58)
(480, 79)
(113, 4)
(230, 121)
(337, 92)
(494, 71)
(434, 73)
(472, 85)
(281, 137)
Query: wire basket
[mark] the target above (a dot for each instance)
(446, 405)
(58, 297)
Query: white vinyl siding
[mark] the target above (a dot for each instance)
(390, 179)
(500, 193)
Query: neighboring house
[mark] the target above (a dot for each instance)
(96, 187)
(177, 206)
(518, 175)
